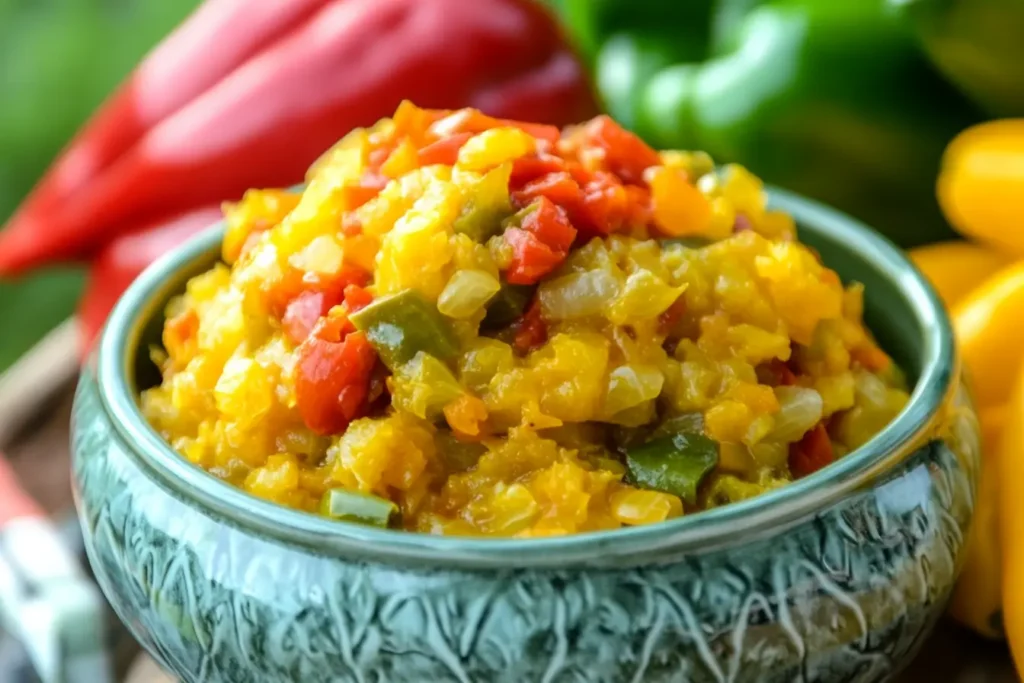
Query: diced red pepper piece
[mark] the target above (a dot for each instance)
(638, 205)
(525, 169)
(605, 205)
(357, 298)
(811, 453)
(531, 258)
(444, 151)
(626, 155)
(302, 313)
(531, 330)
(333, 327)
(550, 224)
(295, 282)
(559, 187)
(332, 381)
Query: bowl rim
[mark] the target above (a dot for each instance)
(769, 512)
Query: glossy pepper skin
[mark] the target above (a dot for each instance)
(977, 45)
(831, 99)
(981, 186)
(683, 25)
(627, 42)
(955, 268)
(247, 95)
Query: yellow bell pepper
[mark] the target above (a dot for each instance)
(988, 322)
(956, 267)
(1011, 520)
(981, 184)
(981, 190)
(977, 598)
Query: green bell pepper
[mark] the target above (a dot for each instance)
(977, 44)
(401, 325)
(457, 456)
(507, 305)
(353, 506)
(487, 206)
(674, 464)
(830, 99)
(681, 25)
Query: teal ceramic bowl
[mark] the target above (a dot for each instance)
(838, 577)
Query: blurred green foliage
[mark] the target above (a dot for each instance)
(58, 60)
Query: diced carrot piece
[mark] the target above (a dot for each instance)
(465, 415)
(179, 331)
(357, 195)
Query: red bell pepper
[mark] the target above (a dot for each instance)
(332, 380)
(249, 94)
(124, 259)
(531, 258)
(531, 330)
(811, 453)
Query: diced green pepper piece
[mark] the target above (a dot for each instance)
(507, 305)
(458, 456)
(353, 506)
(424, 386)
(401, 325)
(673, 464)
(488, 206)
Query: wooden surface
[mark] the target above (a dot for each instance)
(40, 457)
